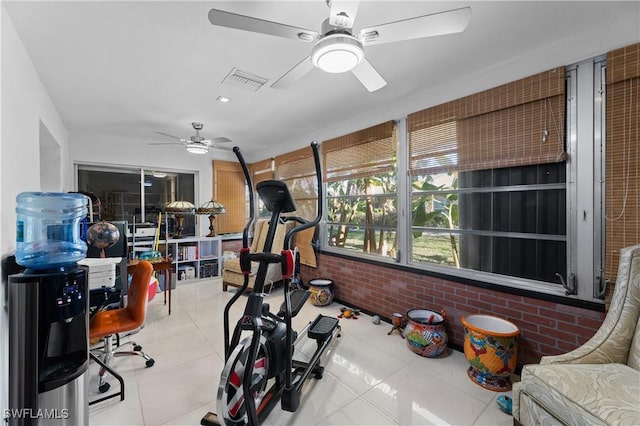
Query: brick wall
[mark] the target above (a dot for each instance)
(546, 328)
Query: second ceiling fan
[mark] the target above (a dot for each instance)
(336, 49)
(196, 144)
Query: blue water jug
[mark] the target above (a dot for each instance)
(48, 231)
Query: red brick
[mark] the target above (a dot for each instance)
(578, 311)
(524, 307)
(568, 318)
(506, 313)
(559, 335)
(589, 324)
(466, 293)
(480, 306)
(544, 321)
(540, 339)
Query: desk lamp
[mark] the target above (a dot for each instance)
(179, 208)
(211, 208)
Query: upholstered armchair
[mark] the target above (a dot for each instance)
(599, 382)
(231, 272)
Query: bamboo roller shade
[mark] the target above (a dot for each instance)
(229, 188)
(295, 164)
(499, 127)
(622, 154)
(261, 170)
(294, 168)
(359, 154)
(297, 170)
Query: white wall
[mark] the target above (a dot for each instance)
(25, 104)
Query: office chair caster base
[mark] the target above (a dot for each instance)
(104, 387)
(150, 362)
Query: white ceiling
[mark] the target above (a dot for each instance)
(130, 69)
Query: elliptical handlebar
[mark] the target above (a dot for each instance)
(252, 214)
(245, 247)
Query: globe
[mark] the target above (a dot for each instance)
(102, 235)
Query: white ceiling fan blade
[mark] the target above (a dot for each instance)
(166, 143)
(343, 13)
(294, 74)
(368, 76)
(171, 136)
(452, 21)
(247, 23)
(221, 139)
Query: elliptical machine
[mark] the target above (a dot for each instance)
(267, 354)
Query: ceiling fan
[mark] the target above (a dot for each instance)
(196, 144)
(336, 49)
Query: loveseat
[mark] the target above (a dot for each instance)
(231, 272)
(599, 382)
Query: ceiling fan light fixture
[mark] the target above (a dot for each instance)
(197, 148)
(337, 53)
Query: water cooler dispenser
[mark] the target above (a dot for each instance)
(48, 347)
(49, 314)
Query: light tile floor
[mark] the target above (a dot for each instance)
(370, 378)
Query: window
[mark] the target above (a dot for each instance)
(137, 195)
(361, 181)
(508, 221)
(488, 181)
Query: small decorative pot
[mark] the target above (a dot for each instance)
(425, 332)
(321, 291)
(491, 347)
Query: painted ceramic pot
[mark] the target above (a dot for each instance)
(491, 347)
(321, 291)
(425, 332)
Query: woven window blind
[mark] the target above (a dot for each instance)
(500, 127)
(297, 170)
(261, 170)
(229, 188)
(622, 154)
(367, 152)
(295, 164)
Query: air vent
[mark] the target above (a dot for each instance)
(243, 79)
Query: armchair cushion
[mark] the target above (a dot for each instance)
(592, 394)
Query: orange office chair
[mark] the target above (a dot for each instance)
(107, 324)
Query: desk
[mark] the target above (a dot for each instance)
(163, 266)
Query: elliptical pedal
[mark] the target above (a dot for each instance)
(298, 298)
(322, 327)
